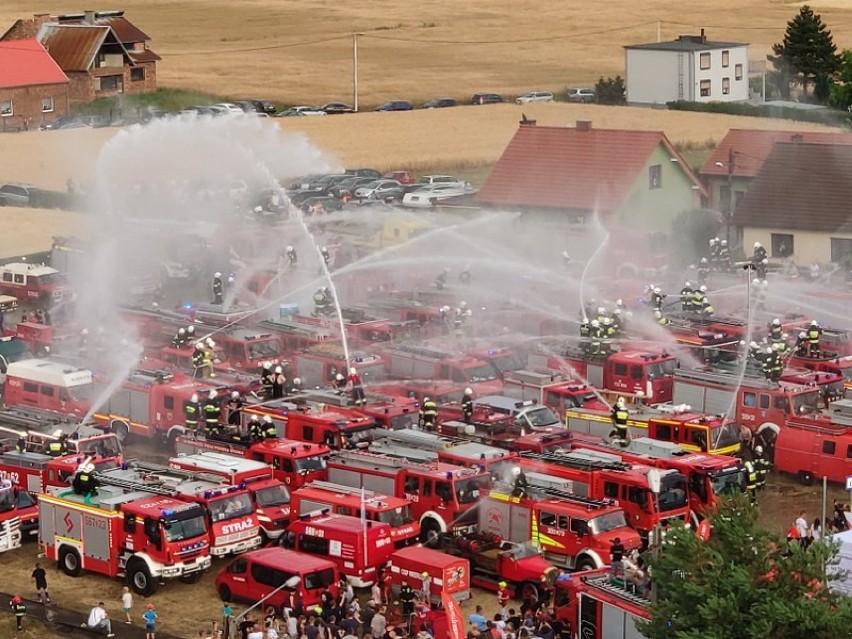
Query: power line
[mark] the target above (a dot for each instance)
(270, 47)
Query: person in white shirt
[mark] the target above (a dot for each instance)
(126, 603)
(802, 529)
(98, 620)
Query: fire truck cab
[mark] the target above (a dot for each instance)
(811, 450)
(838, 365)
(319, 365)
(359, 548)
(40, 383)
(427, 362)
(248, 349)
(10, 513)
(32, 282)
(553, 390)
(12, 349)
(442, 496)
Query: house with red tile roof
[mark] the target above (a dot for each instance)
(102, 52)
(631, 179)
(798, 203)
(33, 89)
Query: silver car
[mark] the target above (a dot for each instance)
(535, 96)
(15, 194)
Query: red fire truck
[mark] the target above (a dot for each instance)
(837, 365)
(649, 497)
(443, 496)
(36, 472)
(553, 390)
(142, 537)
(293, 462)
(448, 574)
(573, 531)
(295, 336)
(389, 411)
(626, 372)
(345, 500)
(430, 363)
(359, 548)
(10, 515)
(40, 383)
(230, 513)
(38, 428)
(811, 450)
(32, 282)
(600, 609)
(270, 496)
(319, 365)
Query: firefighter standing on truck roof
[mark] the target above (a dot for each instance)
(210, 356)
(775, 330)
(212, 411)
(255, 429)
(425, 587)
(21, 445)
(339, 383)
(279, 380)
(58, 447)
(270, 430)
(814, 333)
(191, 414)
(686, 297)
(218, 288)
(180, 340)
(467, 405)
(519, 482)
(198, 360)
(358, 396)
(292, 258)
(428, 414)
(266, 379)
(235, 407)
(84, 482)
(620, 415)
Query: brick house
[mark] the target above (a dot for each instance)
(33, 89)
(102, 52)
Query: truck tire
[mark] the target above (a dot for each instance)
(70, 562)
(121, 430)
(586, 563)
(225, 593)
(171, 439)
(528, 591)
(430, 533)
(139, 578)
(806, 478)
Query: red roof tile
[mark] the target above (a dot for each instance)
(73, 46)
(802, 187)
(26, 63)
(571, 168)
(751, 148)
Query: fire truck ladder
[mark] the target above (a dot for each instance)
(574, 461)
(178, 473)
(569, 496)
(377, 459)
(603, 583)
(427, 351)
(149, 376)
(728, 381)
(132, 484)
(31, 420)
(344, 490)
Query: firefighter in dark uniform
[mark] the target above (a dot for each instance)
(266, 379)
(814, 333)
(84, 482)
(292, 258)
(441, 280)
(339, 383)
(19, 609)
(255, 428)
(428, 414)
(180, 340)
(519, 483)
(21, 445)
(585, 333)
(801, 347)
(759, 254)
(467, 405)
(326, 257)
(270, 430)
(751, 480)
(58, 447)
(191, 414)
(218, 288)
(199, 355)
(775, 330)
(686, 297)
(771, 363)
(657, 297)
(724, 256)
(761, 467)
(703, 271)
(406, 598)
(212, 412)
(619, 416)
(235, 407)
(608, 334)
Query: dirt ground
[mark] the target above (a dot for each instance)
(301, 50)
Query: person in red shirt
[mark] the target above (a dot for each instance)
(358, 396)
(503, 596)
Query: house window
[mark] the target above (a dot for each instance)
(137, 74)
(705, 88)
(726, 86)
(6, 108)
(738, 72)
(704, 61)
(726, 58)
(47, 105)
(655, 179)
(782, 245)
(840, 248)
(109, 83)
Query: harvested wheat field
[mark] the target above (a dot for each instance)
(301, 50)
(25, 231)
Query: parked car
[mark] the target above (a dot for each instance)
(370, 173)
(428, 195)
(487, 98)
(581, 95)
(264, 106)
(396, 105)
(227, 107)
(15, 194)
(535, 96)
(449, 180)
(439, 103)
(335, 108)
(403, 177)
(321, 204)
(65, 122)
(350, 185)
(380, 190)
(299, 111)
(199, 110)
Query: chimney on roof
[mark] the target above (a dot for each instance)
(89, 17)
(584, 125)
(797, 138)
(703, 37)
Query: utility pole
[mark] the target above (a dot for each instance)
(659, 31)
(730, 195)
(355, 70)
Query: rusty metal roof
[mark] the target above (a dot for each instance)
(124, 30)
(74, 47)
(143, 56)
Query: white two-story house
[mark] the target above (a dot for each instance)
(691, 68)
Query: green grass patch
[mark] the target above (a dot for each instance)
(162, 99)
(831, 117)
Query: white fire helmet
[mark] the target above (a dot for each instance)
(607, 321)
(687, 285)
(769, 350)
(803, 335)
(595, 323)
(712, 241)
(235, 395)
(267, 365)
(758, 450)
(324, 249)
(194, 398)
(776, 322)
(658, 290)
(704, 260)
(297, 381)
(425, 400)
(217, 274)
(724, 242)
(753, 344)
(289, 249)
(601, 310)
(658, 314)
(775, 347)
(85, 331)
(756, 282)
(619, 302)
(181, 331)
(209, 341)
(279, 370)
(620, 402)
(199, 345)
(468, 391)
(352, 371)
(462, 304)
(87, 467)
(339, 377)
(212, 394)
(814, 322)
(267, 419)
(565, 254)
(190, 330)
(703, 289)
(516, 470)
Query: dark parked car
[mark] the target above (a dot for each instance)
(335, 108)
(16, 194)
(348, 186)
(370, 173)
(439, 103)
(322, 204)
(264, 106)
(487, 98)
(396, 105)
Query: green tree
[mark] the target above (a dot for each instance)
(743, 583)
(841, 90)
(694, 229)
(807, 54)
(610, 90)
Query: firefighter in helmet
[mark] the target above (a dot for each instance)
(191, 414)
(759, 253)
(209, 356)
(775, 330)
(266, 379)
(703, 270)
(751, 480)
(441, 280)
(585, 333)
(814, 333)
(212, 412)
(619, 416)
(235, 407)
(724, 256)
(180, 340)
(608, 334)
(657, 297)
(279, 380)
(270, 430)
(771, 364)
(255, 428)
(326, 257)
(339, 383)
(714, 250)
(428, 414)
(686, 294)
(706, 309)
(801, 347)
(21, 445)
(292, 258)
(467, 405)
(323, 301)
(295, 386)
(464, 275)
(198, 357)
(406, 598)
(358, 396)
(84, 482)
(762, 466)
(596, 335)
(218, 288)
(519, 482)
(58, 447)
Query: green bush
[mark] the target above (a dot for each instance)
(820, 116)
(44, 199)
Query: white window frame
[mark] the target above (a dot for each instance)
(726, 86)
(10, 112)
(701, 58)
(52, 106)
(709, 88)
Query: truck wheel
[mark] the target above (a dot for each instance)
(528, 591)
(224, 593)
(70, 562)
(586, 563)
(430, 533)
(174, 433)
(806, 478)
(121, 430)
(139, 578)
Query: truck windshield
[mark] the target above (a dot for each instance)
(540, 417)
(81, 393)
(404, 421)
(804, 403)
(106, 446)
(672, 492)
(7, 500)
(264, 350)
(724, 435)
(730, 481)
(506, 362)
(231, 507)
(395, 517)
(319, 579)
(605, 523)
(480, 373)
(661, 369)
(181, 529)
(309, 464)
(272, 496)
(834, 389)
(467, 490)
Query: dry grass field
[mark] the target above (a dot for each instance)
(301, 50)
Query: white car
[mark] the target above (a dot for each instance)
(428, 196)
(535, 96)
(227, 107)
(301, 111)
(446, 180)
